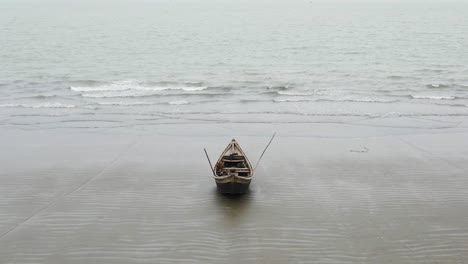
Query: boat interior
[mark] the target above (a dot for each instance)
(233, 163)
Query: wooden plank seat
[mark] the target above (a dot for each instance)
(236, 169)
(237, 160)
(234, 157)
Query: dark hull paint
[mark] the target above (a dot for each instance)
(233, 187)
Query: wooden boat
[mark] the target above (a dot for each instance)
(233, 171)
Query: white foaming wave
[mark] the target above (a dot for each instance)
(369, 100)
(165, 88)
(179, 102)
(189, 89)
(438, 85)
(42, 105)
(295, 100)
(433, 97)
(144, 92)
(97, 88)
(122, 86)
(113, 86)
(292, 93)
(113, 94)
(125, 103)
(351, 100)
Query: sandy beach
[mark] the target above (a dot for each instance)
(324, 193)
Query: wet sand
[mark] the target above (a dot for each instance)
(324, 193)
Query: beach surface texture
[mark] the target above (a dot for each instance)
(323, 193)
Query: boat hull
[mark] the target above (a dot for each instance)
(233, 187)
(233, 171)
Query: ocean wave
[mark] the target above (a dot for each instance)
(412, 94)
(141, 103)
(42, 96)
(39, 97)
(437, 85)
(296, 48)
(278, 87)
(354, 53)
(354, 100)
(128, 94)
(433, 97)
(119, 86)
(297, 93)
(454, 105)
(395, 77)
(143, 94)
(364, 100)
(43, 105)
(401, 77)
(342, 114)
(178, 102)
(125, 103)
(391, 92)
(461, 87)
(253, 100)
(137, 88)
(295, 100)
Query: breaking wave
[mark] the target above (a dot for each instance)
(125, 103)
(120, 86)
(297, 93)
(141, 103)
(360, 100)
(437, 85)
(292, 100)
(122, 94)
(433, 97)
(43, 105)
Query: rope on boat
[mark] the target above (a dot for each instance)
(209, 161)
(264, 152)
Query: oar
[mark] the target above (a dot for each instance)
(264, 151)
(209, 161)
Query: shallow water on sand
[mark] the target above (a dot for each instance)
(151, 199)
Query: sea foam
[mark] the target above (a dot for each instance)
(433, 97)
(119, 86)
(42, 105)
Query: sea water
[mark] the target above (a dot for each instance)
(69, 63)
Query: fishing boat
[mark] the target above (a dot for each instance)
(233, 171)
